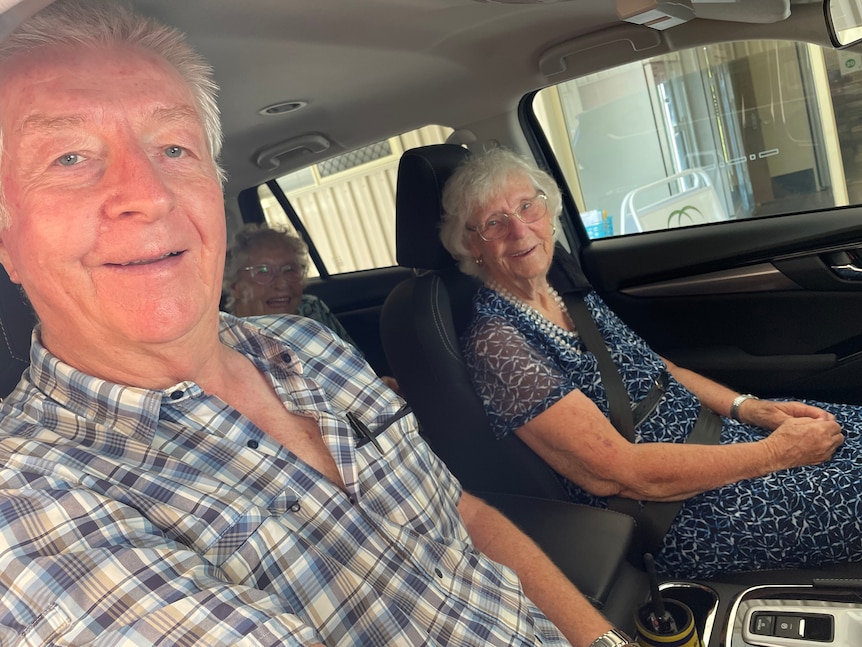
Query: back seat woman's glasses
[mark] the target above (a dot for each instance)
(265, 274)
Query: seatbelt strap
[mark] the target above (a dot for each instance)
(619, 404)
(653, 517)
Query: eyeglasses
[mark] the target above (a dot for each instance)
(496, 225)
(265, 274)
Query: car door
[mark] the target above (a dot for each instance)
(718, 194)
(769, 306)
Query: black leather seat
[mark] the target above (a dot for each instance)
(16, 324)
(420, 324)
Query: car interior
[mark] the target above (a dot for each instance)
(710, 157)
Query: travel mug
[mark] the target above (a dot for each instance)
(664, 623)
(680, 632)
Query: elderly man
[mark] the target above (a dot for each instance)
(172, 476)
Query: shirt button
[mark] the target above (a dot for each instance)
(253, 444)
(438, 573)
(176, 395)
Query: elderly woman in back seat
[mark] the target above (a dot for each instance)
(776, 484)
(264, 274)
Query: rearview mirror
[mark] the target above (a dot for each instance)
(844, 18)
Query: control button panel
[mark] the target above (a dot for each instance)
(816, 627)
(795, 616)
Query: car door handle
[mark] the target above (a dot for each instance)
(845, 265)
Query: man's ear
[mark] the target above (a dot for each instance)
(6, 261)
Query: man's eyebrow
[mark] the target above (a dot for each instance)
(40, 122)
(45, 123)
(177, 114)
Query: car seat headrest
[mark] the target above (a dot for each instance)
(422, 172)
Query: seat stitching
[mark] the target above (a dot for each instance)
(436, 316)
(9, 347)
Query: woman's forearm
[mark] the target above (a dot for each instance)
(674, 472)
(578, 442)
(714, 395)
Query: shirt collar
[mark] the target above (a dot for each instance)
(134, 410)
(130, 410)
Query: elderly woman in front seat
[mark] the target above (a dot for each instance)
(780, 488)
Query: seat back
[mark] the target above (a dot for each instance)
(420, 324)
(16, 325)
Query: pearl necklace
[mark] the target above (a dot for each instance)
(548, 327)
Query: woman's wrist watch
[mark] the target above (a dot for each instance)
(614, 638)
(737, 401)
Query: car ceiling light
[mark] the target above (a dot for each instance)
(282, 107)
(656, 14)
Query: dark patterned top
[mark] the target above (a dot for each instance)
(804, 516)
(314, 308)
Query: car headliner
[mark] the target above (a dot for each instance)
(369, 69)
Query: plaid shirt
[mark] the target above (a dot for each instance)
(138, 517)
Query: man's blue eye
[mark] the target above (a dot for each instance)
(70, 159)
(174, 151)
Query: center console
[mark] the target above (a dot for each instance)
(776, 608)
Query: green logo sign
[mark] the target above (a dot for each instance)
(685, 216)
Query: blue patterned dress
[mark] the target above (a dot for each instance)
(804, 516)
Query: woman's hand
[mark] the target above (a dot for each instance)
(803, 441)
(763, 413)
(770, 414)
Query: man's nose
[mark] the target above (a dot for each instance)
(136, 186)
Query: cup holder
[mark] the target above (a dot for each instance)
(702, 600)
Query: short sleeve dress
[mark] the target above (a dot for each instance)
(522, 364)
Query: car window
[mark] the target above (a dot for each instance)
(347, 203)
(711, 134)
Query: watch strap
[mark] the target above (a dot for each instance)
(737, 401)
(614, 638)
